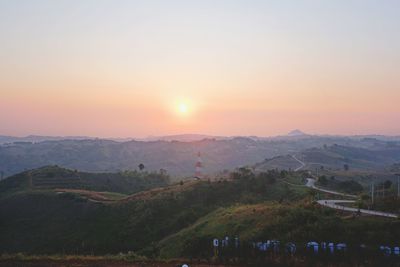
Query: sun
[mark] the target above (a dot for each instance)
(183, 108)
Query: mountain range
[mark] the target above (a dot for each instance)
(178, 158)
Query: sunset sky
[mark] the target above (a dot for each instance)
(139, 68)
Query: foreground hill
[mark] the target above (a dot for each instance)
(175, 220)
(178, 158)
(54, 177)
(297, 223)
(53, 221)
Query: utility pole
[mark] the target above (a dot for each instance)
(398, 184)
(30, 180)
(372, 193)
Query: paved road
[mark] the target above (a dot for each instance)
(311, 183)
(299, 161)
(335, 203)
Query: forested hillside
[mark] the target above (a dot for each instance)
(173, 220)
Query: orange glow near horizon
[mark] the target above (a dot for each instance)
(228, 68)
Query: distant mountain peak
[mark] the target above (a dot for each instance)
(296, 132)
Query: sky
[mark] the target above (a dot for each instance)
(221, 67)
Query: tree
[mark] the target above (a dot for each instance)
(387, 184)
(141, 166)
(323, 180)
(243, 173)
(350, 186)
(283, 173)
(346, 167)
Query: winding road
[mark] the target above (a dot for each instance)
(335, 203)
(299, 161)
(311, 183)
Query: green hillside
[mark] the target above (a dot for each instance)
(52, 177)
(50, 221)
(382, 158)
(170, 221)
(297, 223)
(336, 156)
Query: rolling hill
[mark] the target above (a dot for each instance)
(172, 221)
(334, 157)
(48, 220)
(54, 177)
(179, 158)
(297, 223)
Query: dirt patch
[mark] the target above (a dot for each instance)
(143, 195)
(152, 193)
(92, 195)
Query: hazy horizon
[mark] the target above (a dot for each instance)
(226, 68)
(194, 134)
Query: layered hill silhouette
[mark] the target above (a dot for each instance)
(179, 158)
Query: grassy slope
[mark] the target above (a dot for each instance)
(336, 156)
(52, 177)
(299, 223)
(44, 221)
(357, 158)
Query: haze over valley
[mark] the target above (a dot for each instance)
(206, 133)
(177, 154)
